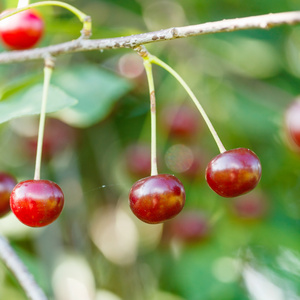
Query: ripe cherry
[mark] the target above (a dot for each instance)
(292, 123)
(37, 203)
(22, 30)
(7, 183)
(233, 172)
(157, 198)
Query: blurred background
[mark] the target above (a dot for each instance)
(98, 145)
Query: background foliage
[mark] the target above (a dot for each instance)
(97, 249)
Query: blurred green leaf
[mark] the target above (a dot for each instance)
(96, 90)
(28, 102)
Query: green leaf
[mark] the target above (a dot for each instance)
(28, 102)
(97, 91)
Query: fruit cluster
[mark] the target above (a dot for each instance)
(37, 202)
(160, 197)
(152, 199)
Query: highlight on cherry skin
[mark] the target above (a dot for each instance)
(22, 30)
(157, 198)
(7, 184)
(37, 203)
(233, 172)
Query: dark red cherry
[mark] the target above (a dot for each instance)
(37, 203)
(157, 198)
(22, 30)
(292, 123)
(233, 172)
(7, 183)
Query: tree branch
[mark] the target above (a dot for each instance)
(16, 266)
(80, 45)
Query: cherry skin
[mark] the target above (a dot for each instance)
(37, 203)
(22, 30)
(7, 183)
(292, 123)
(157, 198)
(233, 172)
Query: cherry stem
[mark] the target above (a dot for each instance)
(148, 69)
(157, 61)
(49, 64)
(85, 19)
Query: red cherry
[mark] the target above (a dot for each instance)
(180, 121)
(37, 203)
(7, 183)
(22, 30)
(292, 123)
(233, 172)
(157, 198)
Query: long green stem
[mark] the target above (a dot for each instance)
(85, 19)
(157, 61)
(47, 76)
(148, 68)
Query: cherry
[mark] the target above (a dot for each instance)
(180, 121)
(7, 183)
(292, 122)
(22, 30)
(157, 198)
(189, 227)
(37, 203)
(233, 172)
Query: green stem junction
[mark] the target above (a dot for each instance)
(151, 59)
(85, 19)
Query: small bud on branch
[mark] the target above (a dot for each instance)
(133, 41)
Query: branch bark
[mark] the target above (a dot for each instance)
(16, 266)
(80, 45)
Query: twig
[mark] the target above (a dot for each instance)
(16, 266)
(80, 45)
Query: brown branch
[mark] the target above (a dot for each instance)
(16, 266)
(80, 45)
